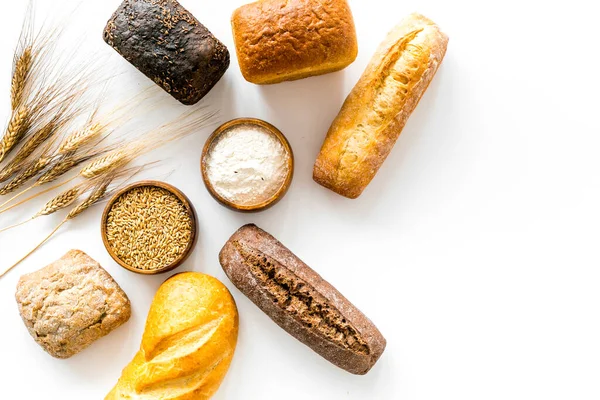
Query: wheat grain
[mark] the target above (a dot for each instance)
(149, 228)
(17, 127)
(20, 76)
(80, 138)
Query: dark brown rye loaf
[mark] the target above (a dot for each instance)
(300, 301)
(168, 44)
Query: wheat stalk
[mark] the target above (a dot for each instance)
(17, 127)
(34, 168)
(58, 203)
(98, 194)
(20, 75)
(26, 150)
(58, 169)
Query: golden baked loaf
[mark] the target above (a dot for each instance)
(375, 112)
(282, 40)
(188, 343)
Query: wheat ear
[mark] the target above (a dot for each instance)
(55, 171)
(20, 75)
(17, 127)
(43, 192)
(35, 141)
(61, 201)
(80, 138)
(34, 168)
(109, 162)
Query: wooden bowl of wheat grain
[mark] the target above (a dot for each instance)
(149, 227)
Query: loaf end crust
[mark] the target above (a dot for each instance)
(300, 301)
(283, 40)
(169, 45)
(71, 303)
(375, 112)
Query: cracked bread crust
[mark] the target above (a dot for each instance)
(298, 300)
(71, 303)
(375, 112)
(282, 40)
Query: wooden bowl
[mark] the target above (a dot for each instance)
(191, 212)
(282, 190)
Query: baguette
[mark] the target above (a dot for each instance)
(188, 343)
(298, 300)
(375, 112)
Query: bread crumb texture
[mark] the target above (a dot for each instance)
(301, 301)
(71, 303)
(279, 40)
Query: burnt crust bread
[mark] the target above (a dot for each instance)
(298, 300)
(377, 109)
(282, 40)
(71, 303)
(168, 44)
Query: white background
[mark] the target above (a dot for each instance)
(474, 250)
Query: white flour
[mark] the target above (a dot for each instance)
(247, 165)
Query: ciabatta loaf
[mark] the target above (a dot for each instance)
(375, 112)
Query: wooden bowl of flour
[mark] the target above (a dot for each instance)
(247, 165)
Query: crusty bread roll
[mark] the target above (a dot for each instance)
(69, 304)
(282, 40)
(188, 343)
(375, 112)
(297, 299)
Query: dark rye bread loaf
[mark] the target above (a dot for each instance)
(168, 44)
(300, 301)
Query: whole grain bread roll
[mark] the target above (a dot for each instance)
(297, 299)
(71, 303)
(375, 112)
(188, 343)
(283, 40)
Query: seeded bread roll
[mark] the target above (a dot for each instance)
(300, 301)
(69, 304)
(283, 40)
(375, 112)
(169, 45)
